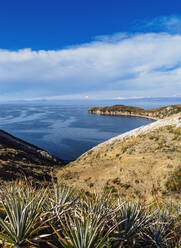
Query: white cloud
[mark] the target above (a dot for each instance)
(147, 64)
(170, 24)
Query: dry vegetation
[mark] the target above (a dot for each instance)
(145, 167)
(17, 161)
(138, 202)
(59, 216)
(157, 113)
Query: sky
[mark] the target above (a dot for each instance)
(89, 49)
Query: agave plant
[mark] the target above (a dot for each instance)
(24, 219)
(161, 233)
(131, 221)
(60, 199)
(89, 225)
(158, 236)
(98, 205)
(82, 231)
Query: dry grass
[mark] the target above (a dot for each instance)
(17, 161)
(139, 167)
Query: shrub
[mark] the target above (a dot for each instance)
(174, 182)
(131, 220)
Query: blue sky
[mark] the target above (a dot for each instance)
(77, 49)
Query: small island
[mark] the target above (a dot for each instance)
(122, 110)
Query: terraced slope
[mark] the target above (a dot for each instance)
(143, 163)
(21, 159)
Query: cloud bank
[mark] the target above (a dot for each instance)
(123, 65)
(170, 24)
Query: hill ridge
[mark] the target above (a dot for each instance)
(131, 164)
(123, 110)
(19, 159)
(174, 120)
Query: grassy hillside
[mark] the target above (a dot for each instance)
(20, 159)
(144, 163)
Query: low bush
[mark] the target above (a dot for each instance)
(174, 182)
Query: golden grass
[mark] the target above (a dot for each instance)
(139, 164)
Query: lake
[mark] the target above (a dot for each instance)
(65, 129)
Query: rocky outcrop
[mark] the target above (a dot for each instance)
(122, 110)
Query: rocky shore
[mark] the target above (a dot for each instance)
(122, 110)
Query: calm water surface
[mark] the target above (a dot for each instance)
(65, 129)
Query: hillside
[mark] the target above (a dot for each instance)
(142, 163)
(122, 110)
(19, 158)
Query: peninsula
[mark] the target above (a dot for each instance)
(122, 110)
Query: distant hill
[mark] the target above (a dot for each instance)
(142, 163)
(122, 110)
(21, 159)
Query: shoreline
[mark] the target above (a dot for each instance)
(126, 115)
(132, 111)
(175, 120)
(31, 148)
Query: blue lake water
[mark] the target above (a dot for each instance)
(65, 129)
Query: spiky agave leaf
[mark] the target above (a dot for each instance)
(60, 198)
(131, 220)
(24, 218)
(158, 236)
(99, 204)
(96, 207)
(61, 201)
(162, 231)
(89, 225)
(84, 232)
